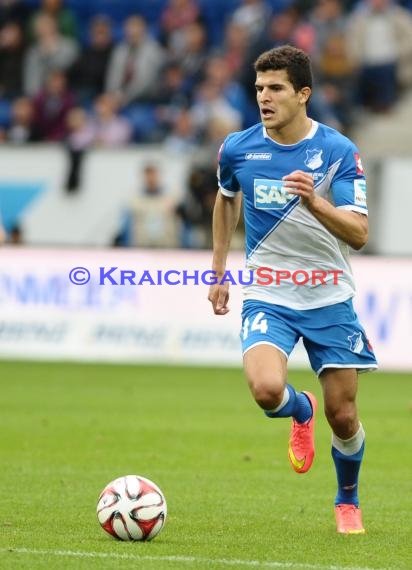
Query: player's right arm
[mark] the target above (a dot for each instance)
(225, 218)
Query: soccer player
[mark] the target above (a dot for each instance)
(304, 197)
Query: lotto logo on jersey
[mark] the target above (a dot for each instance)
(271, 194)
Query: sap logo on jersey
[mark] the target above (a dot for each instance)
(271, 194)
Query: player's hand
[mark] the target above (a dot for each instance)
(301, 184)
(219, 297)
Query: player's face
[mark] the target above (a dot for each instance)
(279, 104)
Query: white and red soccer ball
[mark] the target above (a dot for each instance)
(132, 508)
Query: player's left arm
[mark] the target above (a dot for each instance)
(348, 226)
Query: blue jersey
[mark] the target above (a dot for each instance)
(281, 234)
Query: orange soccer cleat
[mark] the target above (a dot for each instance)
(302, 440)
(349, 519)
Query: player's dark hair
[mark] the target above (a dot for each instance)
(294, 61)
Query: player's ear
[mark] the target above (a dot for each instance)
(304, 95)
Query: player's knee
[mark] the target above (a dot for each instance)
(341, 418)
(267, 394)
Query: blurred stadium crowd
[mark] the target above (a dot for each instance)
(109, 72)
(106, 73)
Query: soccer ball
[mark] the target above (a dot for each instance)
(132, 508)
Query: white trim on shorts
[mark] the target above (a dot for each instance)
(270, 344)
(358, 367)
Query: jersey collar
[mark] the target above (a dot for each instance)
(310, 135)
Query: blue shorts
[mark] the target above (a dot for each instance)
(332, 335)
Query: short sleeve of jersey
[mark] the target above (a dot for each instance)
(228, 182)
(349, 184)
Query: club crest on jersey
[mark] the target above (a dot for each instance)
(356, 343)
(314, 158)
(271, 194)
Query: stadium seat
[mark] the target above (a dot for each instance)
(80, 8)
(121, 9)
(5, 112)
(150, 9)
(116, 9)
(32, 3)
(215, 14)
(280, 5)
(142, 117)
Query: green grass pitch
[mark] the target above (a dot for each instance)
(234, 502)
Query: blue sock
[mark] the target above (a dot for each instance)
(297, 407)
(347, 472)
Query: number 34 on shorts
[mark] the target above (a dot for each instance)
(261, 328)
(259, 324)
(332, 335)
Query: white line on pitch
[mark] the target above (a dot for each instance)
(183, 559)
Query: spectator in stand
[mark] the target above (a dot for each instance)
(171, 96)
(327, 19)
(284, 28)
(183, 138)
(79, 140)
(15, 236)
(217, 130)
(196, 209)
(153, 212)
(204, 160)
(80, 135)
(217, 71)
(171, 87)
(51, 51)
(51, 107)
(253, 15)
(335, 74)
(110, 130)
(195, 54)
(379, 39)
(280, 30)
(135, 64)
(333, 68)
(104, 128)
(235, 46)
(22, 128)
(63, 16)
(11, 61)
(211, 104)
(176, 16)
(287, 27)
(89, 71)
(152, 185)
(14, 11)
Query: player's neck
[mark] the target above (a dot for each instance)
(293, 132)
